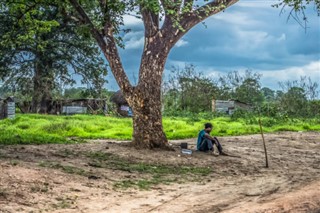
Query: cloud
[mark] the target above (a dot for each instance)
(181, 43)
(130, 20)
(273, 77)
(134, 43)
(134, 40)
(256, 4)
(236, 18)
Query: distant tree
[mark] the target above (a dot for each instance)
(269, 94)
(40, 51)
(74, 93)
(294, 102)
(171, 101)
(299, 97)
(309, 87)
(279, 94)
(249, 91)
(244, 87)
(189, 90)
(82, 92)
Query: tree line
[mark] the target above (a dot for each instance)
(188, 90)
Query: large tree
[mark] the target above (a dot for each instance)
(165, 22)
(178, 17)
(41, 49)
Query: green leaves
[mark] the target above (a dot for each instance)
(39, 38)
(297, 9)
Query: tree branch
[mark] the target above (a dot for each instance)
(108, 46)
(187, 4)
(200, 14)
(172, 10)
(95, 32)
(192, 18)
(150, 20)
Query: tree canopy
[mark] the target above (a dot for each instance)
(41, 50)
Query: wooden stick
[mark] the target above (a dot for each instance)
(264, 144)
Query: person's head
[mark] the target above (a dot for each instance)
(208, 127)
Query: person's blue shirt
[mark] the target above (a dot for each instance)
(201, 136)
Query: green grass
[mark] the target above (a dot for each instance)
(158, 173)
(64, 168)
(144, 184)
(40, 129)
(108, 160)
(142, 175)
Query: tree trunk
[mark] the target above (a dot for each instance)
(42, 86)
(147, 119)
(36, 97)
(146, 98)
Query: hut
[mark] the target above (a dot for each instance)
(229, 106)
(7, 108)
(123, 107)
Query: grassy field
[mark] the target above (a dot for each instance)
(38, 129)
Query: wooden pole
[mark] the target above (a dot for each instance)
(264, 144)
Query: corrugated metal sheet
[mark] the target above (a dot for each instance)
(11, 110)
(74, 110)
(228, 106)
(7, 108)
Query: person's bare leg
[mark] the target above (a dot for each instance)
(221, 152)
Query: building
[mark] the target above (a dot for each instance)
(229, 106)
(7, 108)
(68, 106)
(122, 105)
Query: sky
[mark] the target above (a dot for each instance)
(249, 35)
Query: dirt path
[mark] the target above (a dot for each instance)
(31, 182)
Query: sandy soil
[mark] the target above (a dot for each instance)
(291, 184)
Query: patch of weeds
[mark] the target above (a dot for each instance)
(14, 162)
(64, 203)
(75, 190)
(144, 184)
(23, 126)
(64, 168)
(76, 140)
(112, 161)
(40, 188)
(66, 153)
(3, 193)
(161, 174)
(222, 131)
(57, 127)
(306, 127)
(101, 156)
(160, 169)
(96, 164)
(125, 184)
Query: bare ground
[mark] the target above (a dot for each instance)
(60, 178)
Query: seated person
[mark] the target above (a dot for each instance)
(205, 141)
